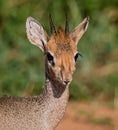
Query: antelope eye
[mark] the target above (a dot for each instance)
(76, 56)
(50, 58)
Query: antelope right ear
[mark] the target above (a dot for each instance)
(36, 34)
(80, 30)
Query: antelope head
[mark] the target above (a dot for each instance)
(60, 49)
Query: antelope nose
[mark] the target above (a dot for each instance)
(66, 82)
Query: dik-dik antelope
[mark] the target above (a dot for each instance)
(45, 111)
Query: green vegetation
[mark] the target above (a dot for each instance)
(103, 121)
(22, 64)
(90, 117)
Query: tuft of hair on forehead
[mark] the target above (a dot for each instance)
(60, 31)
(62, 40)
(61, 35)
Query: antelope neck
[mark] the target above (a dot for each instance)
(56, 89)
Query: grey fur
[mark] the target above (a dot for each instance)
(34, 113)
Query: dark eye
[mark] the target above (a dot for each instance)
(77, 55)
(50, 58)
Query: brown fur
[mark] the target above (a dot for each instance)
(63, 48)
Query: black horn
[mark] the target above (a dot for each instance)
(66, 25)
(52, 27)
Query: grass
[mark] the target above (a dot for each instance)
(89, 116)
(102, 121)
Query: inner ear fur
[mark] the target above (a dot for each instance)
(80, 30)
(36, 33)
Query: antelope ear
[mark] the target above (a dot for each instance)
(36, 34)
(79, 30)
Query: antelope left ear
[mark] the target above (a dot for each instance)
(80, 30)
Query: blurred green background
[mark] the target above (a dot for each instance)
(22, 64)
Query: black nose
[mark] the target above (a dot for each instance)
(66, 82)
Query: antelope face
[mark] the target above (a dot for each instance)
(60, 49)
(61, 57)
